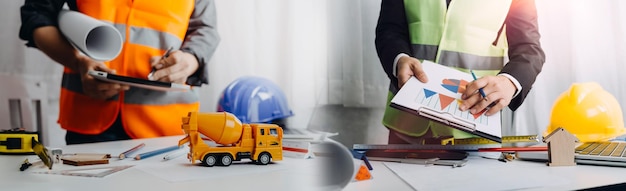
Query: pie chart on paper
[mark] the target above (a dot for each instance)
(454, 85)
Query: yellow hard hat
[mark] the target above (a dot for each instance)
(587, 111)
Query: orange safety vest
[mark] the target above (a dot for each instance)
(148, 28)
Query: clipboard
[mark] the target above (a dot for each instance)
(138, 82)
(438, 100)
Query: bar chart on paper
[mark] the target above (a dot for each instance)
(439, 99)
(449, 104)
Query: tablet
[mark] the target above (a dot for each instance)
(137, 82)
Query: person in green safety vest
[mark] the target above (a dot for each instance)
(497, 39)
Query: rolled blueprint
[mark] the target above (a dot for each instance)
(97, 39)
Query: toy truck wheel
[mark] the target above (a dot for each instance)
(210, 160)
(264, 158)
(226, 160)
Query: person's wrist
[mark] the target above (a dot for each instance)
(510, 84)
(193, 63)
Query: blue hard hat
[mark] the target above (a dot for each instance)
(254, 100)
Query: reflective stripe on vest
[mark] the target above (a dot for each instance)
(148, 29)
(464, 35)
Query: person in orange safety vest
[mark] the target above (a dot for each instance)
(95, 111)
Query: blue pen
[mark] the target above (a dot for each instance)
(481, 89)
(155, 152)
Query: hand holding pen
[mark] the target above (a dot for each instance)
(174, 66)
(488, 94)
(482, 93)
(167, 54)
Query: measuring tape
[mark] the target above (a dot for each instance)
(505, 139)
(77, 172)
(17, 141)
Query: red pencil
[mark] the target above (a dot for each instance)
(125, 153)
(513, 149)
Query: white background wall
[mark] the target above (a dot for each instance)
(282, 40)
(584, 41)
(322, 52)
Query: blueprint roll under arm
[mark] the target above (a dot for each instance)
(97, 39)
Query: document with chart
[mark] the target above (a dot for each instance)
(439, 100)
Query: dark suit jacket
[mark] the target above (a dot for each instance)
(525, 53)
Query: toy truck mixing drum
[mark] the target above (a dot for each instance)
(259, 142)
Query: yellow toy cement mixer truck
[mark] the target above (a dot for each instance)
(259, 142)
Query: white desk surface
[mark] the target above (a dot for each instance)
(479, 170)
(301, 174)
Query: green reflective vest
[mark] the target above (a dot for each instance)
(464, 35)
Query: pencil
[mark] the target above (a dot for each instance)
(176, 154)
(513, 149)
(481, 89)
(125, 153)
(155, 152)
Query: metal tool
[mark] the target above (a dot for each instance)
(432, 161)
(42, 152)
(425, 147)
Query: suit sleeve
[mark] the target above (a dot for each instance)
(201, 39)
(526, 57)
(392, 35)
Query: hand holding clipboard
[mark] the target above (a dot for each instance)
(138, 82)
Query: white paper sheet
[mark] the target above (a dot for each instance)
(477, 174)
(180, 169)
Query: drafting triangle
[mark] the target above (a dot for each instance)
(445, 100)
(88, 172)
(429, 93)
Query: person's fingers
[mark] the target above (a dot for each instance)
(482, 103)
(498, 91)
(495, 107)
(474, 86)
(154, 60)
(101, 86)
(106, 94)
(173, 73)
(104, 68)
(492, 107)
(102, 90)
(125, 87)
(402, 78)
(407, 67)
(418, 71)
(176, 77)
(470, 102)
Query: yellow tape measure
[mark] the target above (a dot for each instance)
(505, 139)
(17, 141)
